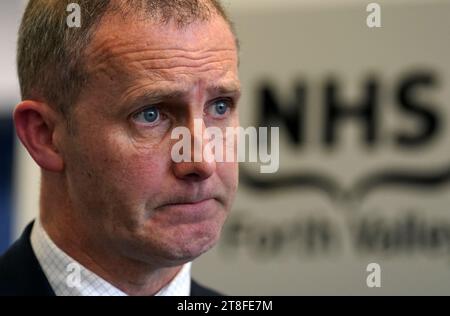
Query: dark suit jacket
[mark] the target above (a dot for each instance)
(21, 273)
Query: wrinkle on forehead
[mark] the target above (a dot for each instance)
(149, 59)
(153, 69)
(151, 45)
(114, 46)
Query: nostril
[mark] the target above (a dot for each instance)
(193, 177)
(194, 171)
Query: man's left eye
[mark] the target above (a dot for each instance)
(219, 108)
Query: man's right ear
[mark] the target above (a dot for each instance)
(35, 124)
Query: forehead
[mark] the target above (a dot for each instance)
(137, 50)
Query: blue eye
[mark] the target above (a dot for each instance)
(220, 108)
(148, 116)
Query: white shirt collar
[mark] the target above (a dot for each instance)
(69, 278)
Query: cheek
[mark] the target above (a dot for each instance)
(122, 170)
(137, 174)
(228, 173)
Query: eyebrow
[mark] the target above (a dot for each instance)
(160, 95)
(226, 88)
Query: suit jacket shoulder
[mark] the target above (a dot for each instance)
(20, 272)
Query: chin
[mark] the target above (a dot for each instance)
(171, 245)
(181, 248)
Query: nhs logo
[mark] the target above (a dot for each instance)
(350, 137)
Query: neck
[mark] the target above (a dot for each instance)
(72, 234)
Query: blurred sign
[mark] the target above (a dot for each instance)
(364, 176)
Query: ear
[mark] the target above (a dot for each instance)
(35, 124)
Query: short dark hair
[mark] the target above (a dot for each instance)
(50, 55)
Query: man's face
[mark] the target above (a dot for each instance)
(146, 79)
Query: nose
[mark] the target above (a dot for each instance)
(198, 168)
